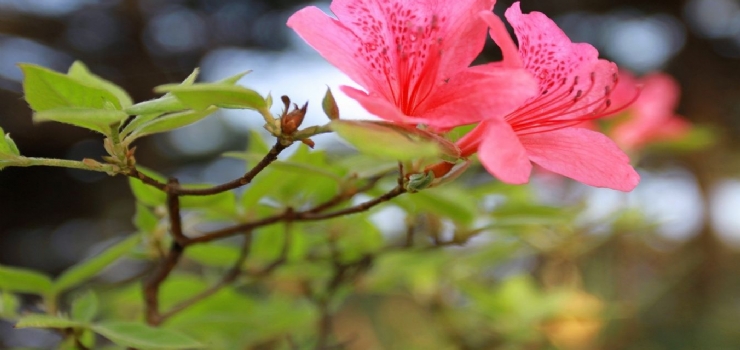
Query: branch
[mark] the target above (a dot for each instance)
(302, 216)
(236, 183)
(152, 285)
(227, 279)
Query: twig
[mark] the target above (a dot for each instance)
(236, 183)
(346, 195)
(302, 216)
(226, 280)
(152, 285)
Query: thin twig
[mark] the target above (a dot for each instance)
(270, 157)
(346, 195)
(296, 216)
(227, 279)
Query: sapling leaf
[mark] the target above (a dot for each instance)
(329, 105)
(22, 280)
(99, 120)
(202, 96)
(79, 71)
(8, 149)
(46, 89)
(232, 80)
(148, 110)
(85, 307)
(87, 269)
(46, 321)
(170, 122)
(384, 142)
(141, 336)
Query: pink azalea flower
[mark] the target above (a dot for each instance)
(652, 117)
(574, 86)
(413, 57)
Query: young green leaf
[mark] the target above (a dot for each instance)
(46, 89)
(85, 307)
(384, 142)
(146, 194)
(216, 255)
(46, 321)
(85, 270)
(99, 120)
(140, 336)
(232, 80)
(8, 149)
(144, 219)
(170, 122)
(330, 105)
(202, 96)
(79, 71)
(17, 279)
(9, 304)
(156, 107)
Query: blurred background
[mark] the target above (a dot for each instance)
(689, 262)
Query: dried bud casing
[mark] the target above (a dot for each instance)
(290, 122)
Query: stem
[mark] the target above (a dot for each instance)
(236, 183)
(61, 163)
(228, 278)
(302, 216)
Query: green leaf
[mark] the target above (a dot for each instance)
(146, 194)
(202, 96)
(85, 270)
(159, 106)
(384, 142)
(8, 149)
(9, 304)
(216, 255)
(446, 201)
(144, 219)
(329, 105)
(217, 206)
(232, 80)
(46, 89)
(46, 321)
(99, 120)
(79, 71)
(170, 122)
(137, 335)
(16, 279)
(85, 307)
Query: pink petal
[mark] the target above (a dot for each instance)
(336, 43)
(502, 154)
(584, 155)
(545, 49)
(481, 92)
(376, 105)
(501, 37)
(659, 97)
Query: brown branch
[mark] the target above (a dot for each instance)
(151, 286)
(166, 265)
(236, 183)
(226, 279)
(302, 216)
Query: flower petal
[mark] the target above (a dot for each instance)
(481, 92)
(335, 42)
(584, 155)
(501, 37)
(545, 49)
(502, 154)
(376, 105)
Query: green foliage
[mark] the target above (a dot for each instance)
(8, 149)
(384, 142)
(87, 269)
(84, 307)
(137, 335)
(169, 122)
(201, 96)
(46, 321)
(24, 281)
(80, 99)
(80, 72)
(329, 105)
